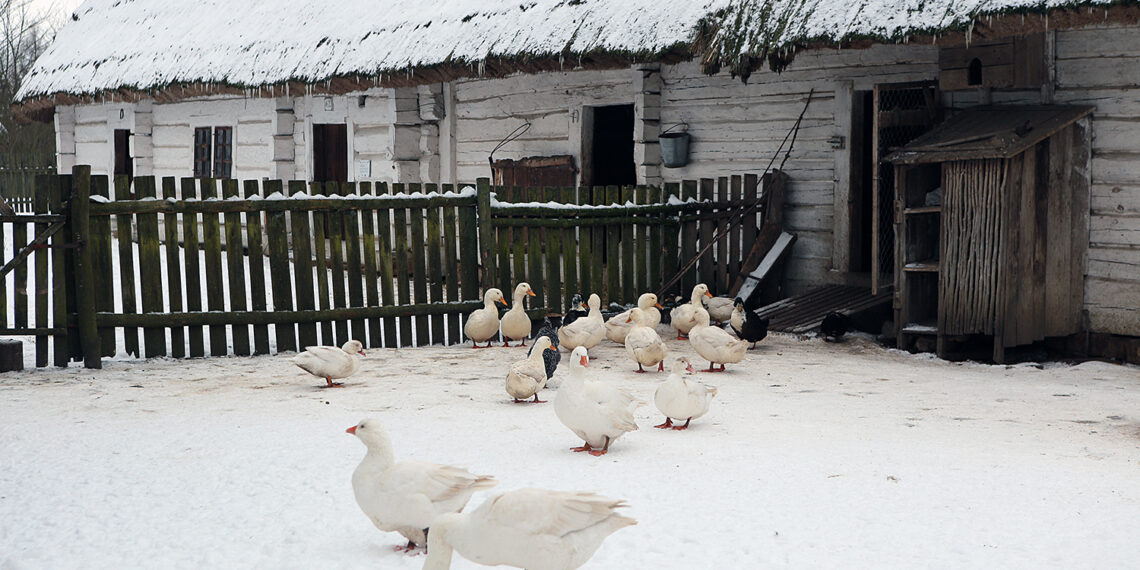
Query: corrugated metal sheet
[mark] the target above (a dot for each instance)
(804, 313)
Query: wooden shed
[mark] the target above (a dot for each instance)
(991, 229)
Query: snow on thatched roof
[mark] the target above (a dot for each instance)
(139, 45)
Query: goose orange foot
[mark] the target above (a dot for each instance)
(668, 424)
(582, 448)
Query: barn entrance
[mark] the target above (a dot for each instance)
(330, 153)
(607, 157)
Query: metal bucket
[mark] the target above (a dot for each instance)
(674, 149)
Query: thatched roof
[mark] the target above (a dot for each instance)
(166, 49)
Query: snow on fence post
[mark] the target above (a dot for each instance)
(84, 276)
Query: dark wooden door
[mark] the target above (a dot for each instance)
(124, 164)
(330, 153)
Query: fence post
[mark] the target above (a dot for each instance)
(84, 274)
(486, 232)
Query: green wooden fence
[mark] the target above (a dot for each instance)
(193, 267)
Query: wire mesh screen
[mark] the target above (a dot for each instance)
(904, 113)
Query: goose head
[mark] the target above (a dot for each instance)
(576, 301)
(702, 318)
(354, 347)
(681, 366)
(371, 432)
(648, 301)
(595, 303)
(541, 344)
(523, 289)
(636, 316)
(701, 290)
(579, 359)
(493, 296)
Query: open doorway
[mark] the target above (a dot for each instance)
(861, 201)
(608, 147)
(124, 163)
(330, 153)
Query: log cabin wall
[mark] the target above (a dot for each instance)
(1097, 66)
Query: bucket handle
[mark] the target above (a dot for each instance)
(675, 126)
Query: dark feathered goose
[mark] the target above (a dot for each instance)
(834, 326)
(746, 324)
(577, 309)
(550, 358)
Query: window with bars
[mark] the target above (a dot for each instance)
(213, 152)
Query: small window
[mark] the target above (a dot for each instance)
(974, 72)
(202, 152)
(223, 151)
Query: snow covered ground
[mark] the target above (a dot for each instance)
(813, 456)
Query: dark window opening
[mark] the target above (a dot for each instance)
(202, 152)
(330, 153)
(974, 73)
(611, 152)
(223, 152)
(124, 164)
(862, 181)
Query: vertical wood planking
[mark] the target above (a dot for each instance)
(150, 269)
(335, 231)
(173, 270)
(518, 234)
(385, 260)
(86, 321)
(487, 236)
(254, 240)
(735, 252)
(750, 226)
(126, 266)
(419, 269)
(320, 264)
(469, 250)
(722, 262)
(628, 269)
(434, 237)
(570, 252)
(20, 276)
(505, 267)
(688, 241)
(553, 258)
(451, 263)
(598, 253)
(191, 246)
(61, 343)
(4, 282)
(655, 276)
(706, 266)
(371, 277)
(281, 287)
(671, 237)
(235, 264)
(303, 267)
(403, 295)
(103, 265)
(40, 281)
(353, 263)
(212, 247)
(613, 253)
(641, 242)
(535, 238)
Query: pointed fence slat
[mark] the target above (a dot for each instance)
(451, 264)
(102, 264)
(721, 272)
(371, 276)
(628, 270)
(125, 235)
(235, 264)
(614, 291)
(569, 253)
(706, 225)
(535, 238)
(193, 269)
(302, 238)
(735, 248)
(212, 248)
(40, 206)
(353, 264)
(173, 272)
(150, 274)
(655, 273)
(688, 241)
(553, 256)
(320, 264)
(61, 343)
(335, 229)
(434, 265)
(403, 292)
(20, 277)
(419, 269)
(256, 250)
(385, 262)
(279, 272)
(469, 249)
(597, 251)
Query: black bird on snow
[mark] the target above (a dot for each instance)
(668, 303)
(577, 309)
(550, 358)
(746, 324)
(834, 326)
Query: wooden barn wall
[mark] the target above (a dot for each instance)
(1100, 66)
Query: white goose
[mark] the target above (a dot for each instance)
(527, 376)
(405, 497)
(515, 324)
(618, 325)
(482, 324)
(642, 343)
(719, 308)
(330, 362)
(536, 529)
(681, 398)
(595, 411)
(586, 331)
(683, 317)
(715, 344)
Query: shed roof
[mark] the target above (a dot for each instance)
(989, 132)
(146, 45)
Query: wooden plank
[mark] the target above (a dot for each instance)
(385, 262)
(371, 276)
(320, 264)
(4, 281)
(354, 264)
(434, 241)
(281, 286)
(671, 239)
(173, 271)
(61, 343)
(628, 249)
(553, 243)
(598, 253)
(688, 242)
(235, 268)
(42, 275)
(403, 295)
(191, 246)
(87, 327)
(722, 260)
(254, 240)
(735, 249)
(20, 277)
(707, 265)
(613, 285)
(126, 266)
(487, 237)
(1079, 182)
(212, 248)
(150, 279)
(335, 230)
(452, 265)
(569, 252)
(303, 267)
(640, 244)
(518, 251)
(655, 277)
(419, 275)
(470, 252)
(534, 244)
(103, 265)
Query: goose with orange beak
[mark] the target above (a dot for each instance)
(619, 325)
(482, 324)
(643, 344)
(684, 317)
(527, 376)
(596, 411)
(515, 325)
